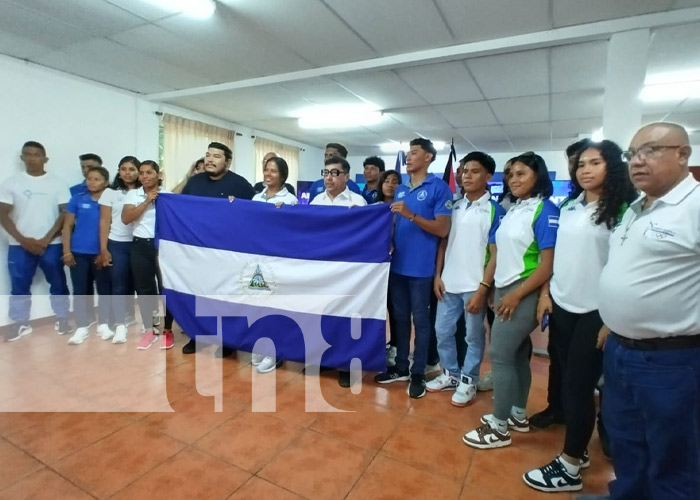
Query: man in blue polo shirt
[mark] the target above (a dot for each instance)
(423, 208)
(332, 149)
(373, 168)
(87, 161)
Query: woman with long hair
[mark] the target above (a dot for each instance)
(116, 239)
(389, 180)
(140, 209)
(81, 248)
(570, 299)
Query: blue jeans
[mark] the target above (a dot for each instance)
(449, 310)
(411, 297)
(81, 275)
(122, 282)
(22, 266)
(652, 416)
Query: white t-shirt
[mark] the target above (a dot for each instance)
(118, 231)
(282, 196)
(35, 201)
(144, 226)
(580, 254)
(345, 199)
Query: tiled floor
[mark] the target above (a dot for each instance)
(107, 421)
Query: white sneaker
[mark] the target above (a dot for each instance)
(104, 331)
(268, 364)
(465, 393)
(120, 335)
(443, 382)
(256, 359)
(79, 336)
(391, 356)
(432, 369)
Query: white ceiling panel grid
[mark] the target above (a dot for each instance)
(580, 66)
(467, 114)
(521, 109)
(517, 74)
(573, 105)
(383, 88)
(442, 83)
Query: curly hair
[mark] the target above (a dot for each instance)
(618, 191)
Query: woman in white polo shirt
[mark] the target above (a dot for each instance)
(571, 299)
(524, 255)
(115, 243)
(275, 173)
(140, 209)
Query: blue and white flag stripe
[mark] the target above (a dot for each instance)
(312, 279)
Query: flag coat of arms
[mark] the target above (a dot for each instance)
(311, 279)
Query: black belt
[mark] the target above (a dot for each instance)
(680, 342)
(136, 238)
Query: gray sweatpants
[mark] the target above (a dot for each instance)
(510, 353)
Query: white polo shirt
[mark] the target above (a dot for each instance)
(473, 227)
(650, 286)
(579, 256)
(144, 226)
(345, 199)
(529, 227)
(118, 231)
(35, 201)
(282, 196)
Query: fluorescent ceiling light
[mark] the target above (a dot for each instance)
(672, 86)
(198, 9)
(339, 117)
(395, 147)
(597, 135)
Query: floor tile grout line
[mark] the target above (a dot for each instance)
(369, 463)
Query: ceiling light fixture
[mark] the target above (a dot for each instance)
(673, 86)
(339, 117)
(198, 9)
(597, 135)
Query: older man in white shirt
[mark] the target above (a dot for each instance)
(335, 177)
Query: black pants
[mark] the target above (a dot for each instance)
(573, 337)
(554, 381)
(145, 270)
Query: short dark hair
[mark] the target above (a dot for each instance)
(102, 171)
(333, 160)
(342, 150)
(223, 147)
(483, 159)
(34, 144)
(578, 146)
(376, 161)
(90, 156)
(543, 184)
(282, 167)
(426, 145)
(118, 183)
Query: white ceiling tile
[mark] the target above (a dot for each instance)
(572, 128)
(442, 83)
(527, 131)
(145, 10)
(20, 47)
(661, 107)
(512, 75)
(407, 34)
(674, 49)
(496, 147)
(26, 24)
(690, 105)
(682, 4)
(307, 27)
(533, 144)
(688, 120)
(467, 114)
(521, 109)
(572, 105)
(569, 12)
(472, 20)
(580, 66)
(322, 91)
(483, 134)
(422, 118)
(383, 88)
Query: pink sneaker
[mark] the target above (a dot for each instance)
(149, 337)
(167, 340)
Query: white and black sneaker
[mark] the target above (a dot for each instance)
(553, 477)
(62, 327)
(486, 437)
(514, 424)
(416, 388)
(17, 331)
(443, 382)
(391, 375)
(585, 461)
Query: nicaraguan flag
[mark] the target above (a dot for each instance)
(311, 279)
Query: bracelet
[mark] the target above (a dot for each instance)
(413, 218)
(544, 295)
(485, 284)
(67, 254)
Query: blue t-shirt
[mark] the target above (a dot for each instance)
(319, 187)
(78, 189)
(370, 195)
(414, 249)
(86, 233)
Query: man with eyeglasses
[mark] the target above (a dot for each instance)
(650, 299)
(335, 178)
(333, 149)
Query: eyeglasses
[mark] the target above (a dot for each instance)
(645, 152)
(333, 173)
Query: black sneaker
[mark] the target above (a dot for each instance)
(63, 327)
(224, 352)
(416, 389)
(553, 477)
(17, 331)
(546, 418)
(343, 378)
(190, 347)
(391, 375)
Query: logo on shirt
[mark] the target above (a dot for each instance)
(422, 195)
(401, 194)
(448, 204)
(320, 189)
(27, 193)
(85, 205)
(553, 221)
(654, 231)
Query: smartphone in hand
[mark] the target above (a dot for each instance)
(545, 321)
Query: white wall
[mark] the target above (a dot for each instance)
(71, 116)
